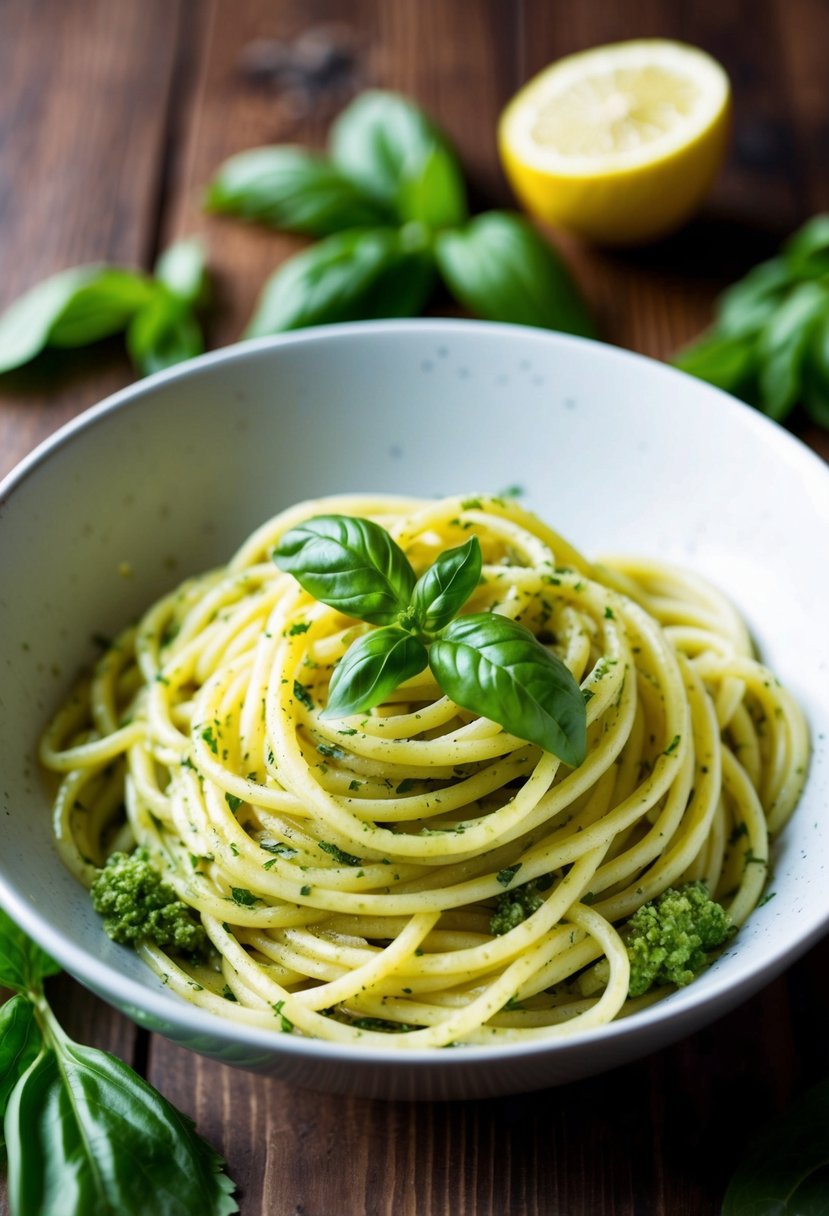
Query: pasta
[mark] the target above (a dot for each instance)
(348, 872)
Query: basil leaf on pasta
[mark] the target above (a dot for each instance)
(351, 276)
(22, 964)
(371, 669)
(86, 1134)
(350, 564)
(495, 667)
(293, 190)
(444, 588)
(499, 267)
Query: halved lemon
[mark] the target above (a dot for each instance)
(619, 143)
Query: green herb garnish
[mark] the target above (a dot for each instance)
(484, 662)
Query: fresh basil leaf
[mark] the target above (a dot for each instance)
(784, 1172)
(445, 587)
(500, 268)
(372, 668)
(23, 965)
(351, 276)
(783, 345)
(726, 361)
(807, 252)
(382, 141)
(747, 306)
(20, 1044)
(70, 309)
(182, 270)
(163, 333)
(86, 1135)
(815, 389)
(350, 564)
(435, 195)
(293, 190)
(101, 307)
(495, 667)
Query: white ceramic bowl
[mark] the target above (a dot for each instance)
(616, 451)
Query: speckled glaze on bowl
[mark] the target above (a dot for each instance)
(619, 454)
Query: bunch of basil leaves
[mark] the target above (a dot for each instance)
(389, 204)
(769, 343)
(157, 313)
(82, 1132)
(485, 662)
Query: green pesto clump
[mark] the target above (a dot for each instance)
(669, 938)
(138, 905)
(513, 907)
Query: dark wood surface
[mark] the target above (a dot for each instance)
(112, 118)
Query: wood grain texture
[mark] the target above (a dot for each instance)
(84, 96)
(112, 119)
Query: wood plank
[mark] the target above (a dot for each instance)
(629, 1143)
(84, 93)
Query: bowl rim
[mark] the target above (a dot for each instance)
(720, 988)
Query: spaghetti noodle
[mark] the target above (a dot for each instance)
(349, 873)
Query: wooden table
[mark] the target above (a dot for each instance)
(112, 117)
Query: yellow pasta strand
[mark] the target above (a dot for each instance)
(371, 852)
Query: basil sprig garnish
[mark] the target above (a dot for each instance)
(84, 1133)
(389, 201)
(769, 343)
(87, 303)
(486, 663)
